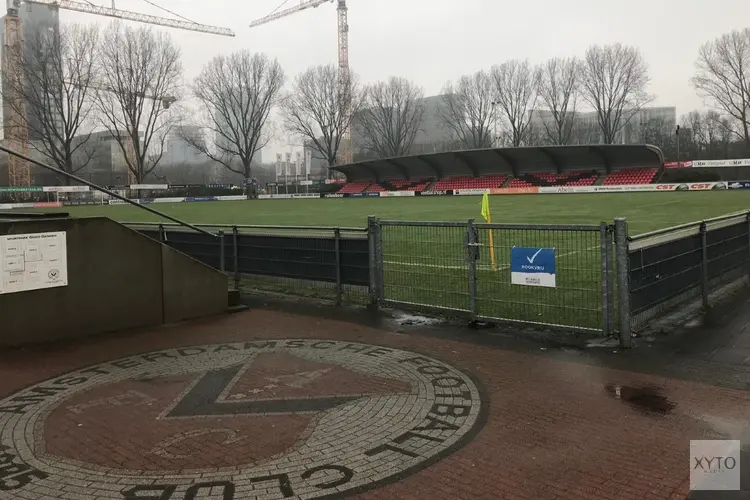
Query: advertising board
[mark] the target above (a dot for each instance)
(388, 194)
(521, 190)
(65, 189)
(447, 192)
(739, 185)
(745, 162)
(469, 192)
(634, 188)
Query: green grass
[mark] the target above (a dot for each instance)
(644, 211)
(428, 266)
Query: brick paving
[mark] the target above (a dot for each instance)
(535, 428)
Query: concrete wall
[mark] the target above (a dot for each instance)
(117, 279)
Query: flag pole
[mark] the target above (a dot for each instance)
(488, 217)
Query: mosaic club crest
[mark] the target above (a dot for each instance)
(265, 419)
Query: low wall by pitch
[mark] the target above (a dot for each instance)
(116, 279)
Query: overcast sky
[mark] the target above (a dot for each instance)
(433, 41)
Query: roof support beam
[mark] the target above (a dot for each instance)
(554, 158)
(373, 170)
(404, 171)
(468, 162)
(508, 160)
(602, 153)
(433, 165)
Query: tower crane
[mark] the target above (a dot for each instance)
(16, 128)
(345, 156)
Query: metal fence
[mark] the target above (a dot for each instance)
(671, 267)
(606, 281)
(316, 262)
(465, 268)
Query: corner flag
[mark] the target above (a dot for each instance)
(488, 217)
(486, 208)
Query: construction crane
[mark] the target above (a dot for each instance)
(346, 153)
(16, 127)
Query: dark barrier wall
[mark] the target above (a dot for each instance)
(312, 258)
(118, 279)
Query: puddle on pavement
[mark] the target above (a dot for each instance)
(647, 399)
(405, 319)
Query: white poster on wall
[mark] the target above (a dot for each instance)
(308, 162)
(279, 171)
(33, 261)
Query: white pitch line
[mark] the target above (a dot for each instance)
(482, 267)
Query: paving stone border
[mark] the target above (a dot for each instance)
(357, 443)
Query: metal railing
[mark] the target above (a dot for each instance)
(605, 281)
(674, 266)
(310, 261)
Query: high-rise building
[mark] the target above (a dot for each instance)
(35, 20)
(641, 127)
(178, 151)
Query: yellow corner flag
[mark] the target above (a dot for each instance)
(488, 217)
(486, 208)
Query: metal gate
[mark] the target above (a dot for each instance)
(472, 270)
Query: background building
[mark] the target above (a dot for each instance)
(35, 19)
(647, 125)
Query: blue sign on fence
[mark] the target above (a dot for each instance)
(739, 185)
(532, 266)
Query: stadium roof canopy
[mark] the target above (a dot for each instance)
(515, 161)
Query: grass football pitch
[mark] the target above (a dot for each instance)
(427, 266)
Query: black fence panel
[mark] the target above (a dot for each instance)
(310, 258)
(662, 272)
(727, 251)
(202, 247)
(355, 261)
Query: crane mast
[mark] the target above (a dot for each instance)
(16, 126)
(345, 83)
(14, 108)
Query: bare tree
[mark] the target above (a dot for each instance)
(236, 94)
(723, 77)
(57, 69)
(141, 77)
(559, 88)
(319, 112)
(516, 91)
(466, 108)
(390, 117)
(614, 84)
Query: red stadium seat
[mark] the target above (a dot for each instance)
(631, 176)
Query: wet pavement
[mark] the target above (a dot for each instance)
(269, 405)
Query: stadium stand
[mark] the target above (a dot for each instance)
(551, 179)
(354, 187)
(631, 176)
(399, 185)
(491, 168)
(466, 182)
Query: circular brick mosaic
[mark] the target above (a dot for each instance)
(265, 419)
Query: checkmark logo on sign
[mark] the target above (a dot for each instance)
(533, 257)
